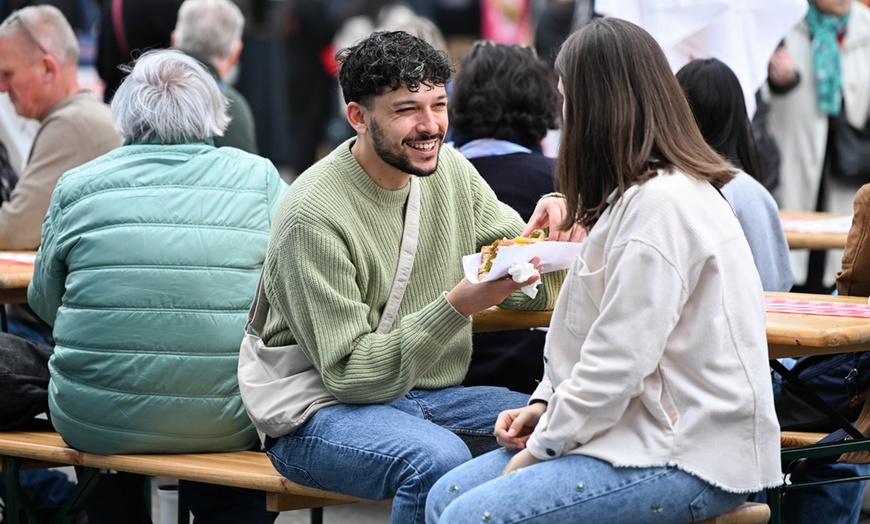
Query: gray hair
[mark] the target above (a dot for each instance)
(209, 29)
(169, 97)
(48, 27)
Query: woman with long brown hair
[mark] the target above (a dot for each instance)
(656, 403)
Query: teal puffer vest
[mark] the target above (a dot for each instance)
(148, 265)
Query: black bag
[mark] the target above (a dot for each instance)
(850, 150)
(838, 379)
(23, 381)
(8, 178)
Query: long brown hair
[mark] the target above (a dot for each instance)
(625, 118)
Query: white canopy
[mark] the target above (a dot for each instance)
(741, 33)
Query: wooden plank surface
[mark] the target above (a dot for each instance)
(788, 334)
(14, 279)
(244, 469)
(805, 240)
(796, 335)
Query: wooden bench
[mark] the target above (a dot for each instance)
(748, 513)
(244, 469)
(791, 439)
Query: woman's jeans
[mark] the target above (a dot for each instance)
(396, 450)
(573, 488)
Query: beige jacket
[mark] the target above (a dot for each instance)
(75, 131)
(657, 352)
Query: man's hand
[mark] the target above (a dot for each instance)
(468, 298)
(514, 426)
(550, 212)
(522, 459)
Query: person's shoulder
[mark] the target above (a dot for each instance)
(743, 185)
(859, 19)
(860, 10)
(80, 118)
(670, 195)
(862, 197)
(82, 105)
(314, 194)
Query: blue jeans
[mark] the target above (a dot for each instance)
(396, 450)
(573, 488)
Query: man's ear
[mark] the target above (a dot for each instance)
(173, 38)
(52, 67)
(357, 116)
(235, 53)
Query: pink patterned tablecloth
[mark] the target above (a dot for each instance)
(812, 307)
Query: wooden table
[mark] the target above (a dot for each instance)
(793, 335)
(788, 334)
(14, 279)
(805, 240)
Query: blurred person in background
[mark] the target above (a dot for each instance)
(821, 71)
(127, 29)
(38, 60)
(311, 88)
(717, 103)
(211, 32)
(501, 106)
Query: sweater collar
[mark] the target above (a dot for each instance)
(364, 183)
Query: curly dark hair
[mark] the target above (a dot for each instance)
(504, 92)
(389, 60)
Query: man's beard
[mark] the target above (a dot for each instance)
(402, 161)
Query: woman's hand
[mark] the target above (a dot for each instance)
(522, 459)
(514, 426)
(550, 212)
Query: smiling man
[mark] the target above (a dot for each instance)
(38, 60)
(400, 419)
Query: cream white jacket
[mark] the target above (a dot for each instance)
(657, 352)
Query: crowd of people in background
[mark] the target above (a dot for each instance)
(502, 115)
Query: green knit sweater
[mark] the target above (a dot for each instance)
(332, 257)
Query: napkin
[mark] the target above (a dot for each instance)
(522, 272)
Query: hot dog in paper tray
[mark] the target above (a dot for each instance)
(511, 257)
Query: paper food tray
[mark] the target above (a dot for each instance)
(554, 256)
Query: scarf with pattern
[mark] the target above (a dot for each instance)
(826, 58)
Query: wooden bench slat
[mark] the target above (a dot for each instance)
(791, 439)
(243, 469)
(748, 513)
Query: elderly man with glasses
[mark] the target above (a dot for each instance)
(38, 68)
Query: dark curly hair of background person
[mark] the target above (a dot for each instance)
(389, 60)
(504, 92)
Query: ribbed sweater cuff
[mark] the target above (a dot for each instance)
(441, 321)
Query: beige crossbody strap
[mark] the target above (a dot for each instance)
(260, 307)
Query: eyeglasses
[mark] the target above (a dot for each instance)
(16, 15)
(480, 44)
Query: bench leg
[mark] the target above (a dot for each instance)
(17, 500)
(78, 497)
(183, 510)
(774, 500)
(316, 515)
